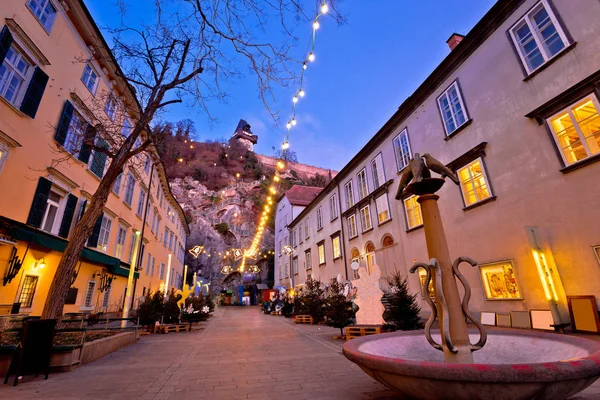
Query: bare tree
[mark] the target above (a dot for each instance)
(187, 54)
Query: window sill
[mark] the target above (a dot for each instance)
(384, 222)
(127, 205)
(333, 219)
(367, 230)
(320, 229)
(480, 203)
(320, 265)
(337, 258)
(581, 164)
(550, 61)
(414, 228)
(353, 237)
(458, 130)
(94, 175)
(14, 108)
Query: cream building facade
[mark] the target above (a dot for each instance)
(51, 86)
(513, 110)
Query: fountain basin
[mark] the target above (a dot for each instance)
(513, 365)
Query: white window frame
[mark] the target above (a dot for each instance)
(120, 245)
(37, 284)
(352, 229)
(295, 265)
(110, 108)
(306, 230)
(294, 233)
(321, 252)
(86, 82)
(377, 171)
(349, 194)
(337, 249)
(409, 224)
(319, 218)
(42, 11)
(333, 209)
(308, 259)
(363, 184)
(403, 156)
(106, 297)
(4, 153)
(12, 71)
(104, 236)
(140, 205)
(59, 210)
(485, 176)
(362, 221)
(446, 93)
(535, 35)
(129, 189)
(379, 211)
(85, 295)
(582, 138)
(126, 131)
(116, 187)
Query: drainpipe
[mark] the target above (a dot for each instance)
(291, 254)
(342, 231)
(139, 249)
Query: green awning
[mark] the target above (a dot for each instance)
(50, 242)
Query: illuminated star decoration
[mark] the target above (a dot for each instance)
(196, 250)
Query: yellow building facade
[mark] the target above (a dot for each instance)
(54, 86)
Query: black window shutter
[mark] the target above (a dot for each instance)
(35, 91)
(86, 150)
(63, 123)
(93, 239)
(5, 42)
(99, 160)
(40, 200)
(65, 225)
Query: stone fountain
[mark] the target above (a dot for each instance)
(442, 364)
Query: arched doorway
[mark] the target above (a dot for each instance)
(370, 256)
(355, 256)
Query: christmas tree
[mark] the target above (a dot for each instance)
(402, 311)
(151, 309)
(310, 300)
(338, 309)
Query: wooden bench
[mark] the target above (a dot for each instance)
(304, 319)
(171, 328)
(354, 331)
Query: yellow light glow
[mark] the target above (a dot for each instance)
(304, 66)
(180, 160)
(276, 178)
(280, 164)
(191, 146)
(285, 145)
(316, 25)
(295, 99)
(289, 125)
(293, 123)
(545, 277)
(311, 56)
(324, 8)
(301, 93)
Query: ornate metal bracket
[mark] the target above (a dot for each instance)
(439, 292)
(14, 265)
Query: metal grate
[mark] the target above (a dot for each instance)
(28, 291)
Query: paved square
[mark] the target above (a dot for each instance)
(241, 354)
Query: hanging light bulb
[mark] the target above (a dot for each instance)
(289, 125)
(295, 99)
(316, 25)
(286, 144)
(324, 8)
(301, 93)
(304, 66)
(311, 56)
(293, 123)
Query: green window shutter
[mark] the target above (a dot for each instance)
(99, 160)
(63, 124)
(65, 225)
(93, 239)
(86, 150)
(35, 91)
(5, 42)
(40, 201)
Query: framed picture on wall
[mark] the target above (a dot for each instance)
(500, 281)
(430, 291)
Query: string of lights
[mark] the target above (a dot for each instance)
(269, 204)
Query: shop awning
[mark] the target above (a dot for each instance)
(50, 242)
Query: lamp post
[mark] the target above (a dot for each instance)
(168, 275)
(128, 296)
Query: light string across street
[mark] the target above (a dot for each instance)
(269, 204)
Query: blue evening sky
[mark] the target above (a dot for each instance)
(362, 73)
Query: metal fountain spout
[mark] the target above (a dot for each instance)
(451, 311)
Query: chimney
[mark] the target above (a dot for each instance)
(454, 40)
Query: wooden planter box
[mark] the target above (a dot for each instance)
(354, 331)
(304, 319)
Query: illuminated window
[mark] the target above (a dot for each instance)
(402, 149)
(335, 245)
(352, 226)
(28, 291)
(538, 36)
(120, 247)
(383, 209)
(577, 130)
(412, 208)
(452, 108)
(321, 249)
(370, 256)
(363, 187)
(473, 182)
(365, 218)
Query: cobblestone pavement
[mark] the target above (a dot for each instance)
(241, 354)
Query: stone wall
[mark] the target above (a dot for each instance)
(99, 348)
(302, 169)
